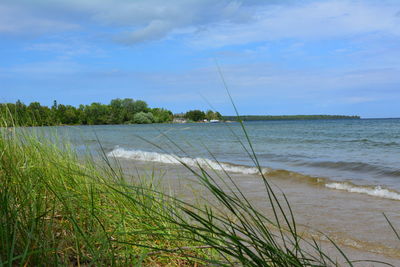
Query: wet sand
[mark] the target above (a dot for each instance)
(354, 221)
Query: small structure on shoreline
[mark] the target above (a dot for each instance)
(179, 120)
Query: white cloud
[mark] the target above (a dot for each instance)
(315, 20)
(18, 21)
(131, 21)
(206, 23)
(156, 19)
(156, 29)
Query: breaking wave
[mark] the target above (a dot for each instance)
(174, 159)
(376, 191)
(165, 158)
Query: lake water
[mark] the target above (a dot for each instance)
(359, 156)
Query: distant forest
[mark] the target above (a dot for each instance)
(119, 111)
(288, 117)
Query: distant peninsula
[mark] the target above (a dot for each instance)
(288, 117)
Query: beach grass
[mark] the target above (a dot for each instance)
(58, 209)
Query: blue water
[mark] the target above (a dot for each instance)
(363, 152)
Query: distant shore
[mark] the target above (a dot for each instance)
(288, 117)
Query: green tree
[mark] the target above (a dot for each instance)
(128, 109)
(20, 113)
(71, 115)
(38, 114)
(211, 115)
(82, 115)
(195, 115)
(60, 114)
(97, 113)
(162, 115)
(218, 116)
(143, 118)
(140, 106)
(116, 111)
(55, 120)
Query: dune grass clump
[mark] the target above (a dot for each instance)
(58, 209)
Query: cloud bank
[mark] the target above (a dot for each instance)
(202, 22)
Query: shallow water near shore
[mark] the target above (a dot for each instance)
(339, 175)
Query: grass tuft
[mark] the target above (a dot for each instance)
(60, 209)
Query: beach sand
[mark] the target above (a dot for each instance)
(354, 221)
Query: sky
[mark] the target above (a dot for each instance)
(277, 57)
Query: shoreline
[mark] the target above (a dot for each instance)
(233, 119)
(354, 221)
(377, 191)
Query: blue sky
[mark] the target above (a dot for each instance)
(278, 57)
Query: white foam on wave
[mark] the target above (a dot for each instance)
(173, 159)
(220, 166)
(372, 191)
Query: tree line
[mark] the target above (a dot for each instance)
(119, 111)
(198, 115)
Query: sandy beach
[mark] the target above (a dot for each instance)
(355, 222)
